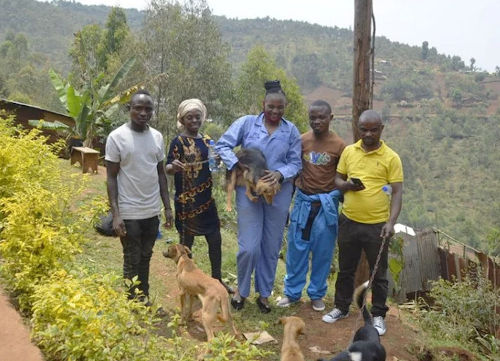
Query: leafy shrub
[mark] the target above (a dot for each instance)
(77, 316)
(463, 312)
(37, 233)
(25, 158)
(35, 240)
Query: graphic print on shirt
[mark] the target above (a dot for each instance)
(316, 158)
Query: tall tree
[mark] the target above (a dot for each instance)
(85, 54)
(114, 36)
(95, 50)
(184, 42)
(425, 50)
(259, 67)
(472, 62)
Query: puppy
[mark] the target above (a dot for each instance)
(194, 283)
(251, 168)
(294, 326)
(366, 344)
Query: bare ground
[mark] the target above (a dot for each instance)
(15, 344)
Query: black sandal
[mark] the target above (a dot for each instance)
(262, 306)
(238, 305)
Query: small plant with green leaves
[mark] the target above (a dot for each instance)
(396, 262)
(227, 348)
(463, 313)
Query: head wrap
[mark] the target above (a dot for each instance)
(189, 105)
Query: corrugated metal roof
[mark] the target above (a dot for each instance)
(33, 106)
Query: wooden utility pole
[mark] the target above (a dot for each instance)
(361, 90)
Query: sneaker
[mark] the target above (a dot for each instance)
(285, 302)
(334, 315)
(318, 305)
(379, 324)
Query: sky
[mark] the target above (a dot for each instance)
(469, 29)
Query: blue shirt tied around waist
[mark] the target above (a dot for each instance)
(261, 225)
(328, 215)
(321, 244)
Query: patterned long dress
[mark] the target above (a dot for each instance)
(195, 210)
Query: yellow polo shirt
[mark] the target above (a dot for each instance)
(375, 169)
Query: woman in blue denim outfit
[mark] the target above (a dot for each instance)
(261, 225)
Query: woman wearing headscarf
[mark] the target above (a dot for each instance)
(261, 225)
(195, 210)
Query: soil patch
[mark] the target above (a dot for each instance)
(15, 335)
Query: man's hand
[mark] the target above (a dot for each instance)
(272, 177)
(119, 226)
(351, 186)
(168, 218)
(387, 230)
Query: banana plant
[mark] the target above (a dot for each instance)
(91, 108)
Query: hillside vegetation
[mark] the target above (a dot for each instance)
(442, 114)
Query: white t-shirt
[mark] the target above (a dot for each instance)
(138, 154)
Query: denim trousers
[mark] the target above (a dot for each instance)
(137, 251)
(354, 237)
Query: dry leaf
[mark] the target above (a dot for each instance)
(258, 338)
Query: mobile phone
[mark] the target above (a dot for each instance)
(357, 181)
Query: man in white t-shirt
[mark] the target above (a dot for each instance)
(137, 185)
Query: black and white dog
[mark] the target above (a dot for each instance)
(366, 344)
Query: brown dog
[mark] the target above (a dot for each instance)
(251, 168)
(294, 326)
(194, 283)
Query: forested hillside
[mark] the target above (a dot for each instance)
(443, 114)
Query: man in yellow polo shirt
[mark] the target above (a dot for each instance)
(368, 215)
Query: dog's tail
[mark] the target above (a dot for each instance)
(360, 296)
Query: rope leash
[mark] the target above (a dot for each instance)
(363, 306)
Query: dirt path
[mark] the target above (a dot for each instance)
(15, 344)
(332, 338)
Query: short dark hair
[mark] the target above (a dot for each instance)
(322, 103)
(139, 92)
(274, 87)
(370, 114)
